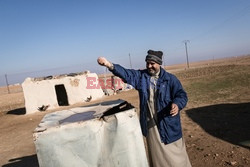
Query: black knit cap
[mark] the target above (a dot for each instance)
(155, 56)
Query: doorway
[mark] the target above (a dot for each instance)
(61, 94)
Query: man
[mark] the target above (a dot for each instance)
(161, 99)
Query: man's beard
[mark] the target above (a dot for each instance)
(152, 72)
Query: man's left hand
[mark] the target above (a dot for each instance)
(174, 109)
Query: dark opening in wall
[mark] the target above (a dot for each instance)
(61, 94)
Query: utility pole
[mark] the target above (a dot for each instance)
(130, 61)
(164, 61)
(185, 42)
(6, 79)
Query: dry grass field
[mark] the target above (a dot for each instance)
(215, 122)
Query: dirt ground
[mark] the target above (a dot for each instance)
(212, 139)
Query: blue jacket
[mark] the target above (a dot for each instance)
(169, 90)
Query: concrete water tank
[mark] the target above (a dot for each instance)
(106, 135)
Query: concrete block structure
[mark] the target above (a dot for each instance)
(54, 91)
(106, 134)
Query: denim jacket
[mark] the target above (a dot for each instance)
(169, 90)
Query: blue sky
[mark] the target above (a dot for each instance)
(63, 36)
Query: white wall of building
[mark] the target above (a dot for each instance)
(43, 92)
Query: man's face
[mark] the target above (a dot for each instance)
(152, 67)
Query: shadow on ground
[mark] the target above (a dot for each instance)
(18, 111)
(23, 162)
(229, 122)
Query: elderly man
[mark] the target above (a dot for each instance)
(162, 97)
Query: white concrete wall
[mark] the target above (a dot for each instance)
(76, 137)
(38, 93)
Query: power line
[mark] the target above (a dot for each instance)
(224, 22)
